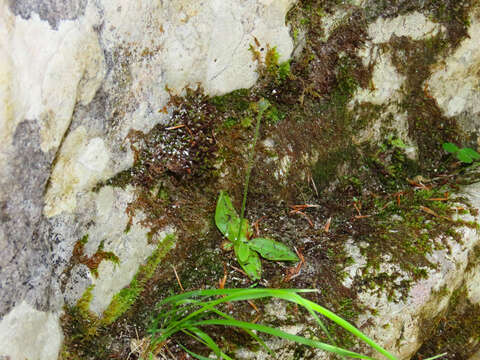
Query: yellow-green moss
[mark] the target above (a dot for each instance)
(84, 329)
(122, 301)
(83, 303)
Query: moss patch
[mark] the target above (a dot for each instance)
(92, 262)
(86, 335)
(122, 301)
(456, 332)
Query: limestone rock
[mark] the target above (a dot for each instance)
(455, 81)
(75, 78)
(27, 333)
(401, 322)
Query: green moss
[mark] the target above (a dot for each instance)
(236, 100)
(83, 303)
(84, 240)
(122, 301)
(456, 331)
(93, 261)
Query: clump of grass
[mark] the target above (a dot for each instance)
(188, 312)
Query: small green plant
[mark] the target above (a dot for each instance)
(236, 229)
(247, 251)
(189, 312)
(279, 71)
(465, 155)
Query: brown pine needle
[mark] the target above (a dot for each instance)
(252, 304)
(303, 206)
(295, 271)
(428, 211)
(178, 279)
(357, 208)
(440, 199)
(327, 225)
(175, 127)
(239, 270)
(255, 225)
(222, 281)
(433, 213)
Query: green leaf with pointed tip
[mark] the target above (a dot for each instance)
(472, 153)
(252, 266)
(232, 230)
(225, 213)
(272, 250)
(450, 147)
(464, 156)
(242, 251)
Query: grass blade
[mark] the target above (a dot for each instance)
(195, 355)
(291, 295)
(248, 331)
(437, 356)
(207, 340)
(220, 292)
(284, 335)
(338, 320)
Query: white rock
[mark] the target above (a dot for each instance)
(387, 82)
(455, 81)
(401, 322)
(359, 262)
(132, 248)
(80, 165)
(48, 72)
(414, 25)
(26, 333)
(472, 283)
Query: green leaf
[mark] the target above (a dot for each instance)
(242, 251)
(252, 266)
(464, 156)
(232, 230)
(398, 143)
(225, 213)
(192, 354)
(272, 250)
(472, 153)
(450, 147)
(208, 341)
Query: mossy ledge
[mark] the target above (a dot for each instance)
(82, 324)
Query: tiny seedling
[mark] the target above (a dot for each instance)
(236, 229)
(465, 155)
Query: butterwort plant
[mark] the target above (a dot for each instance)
(236, 228)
